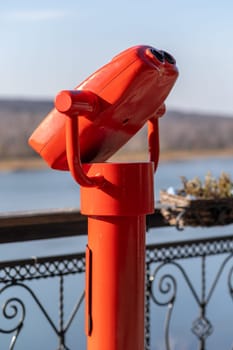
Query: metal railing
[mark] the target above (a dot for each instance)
(178, 274)
(166, 269)
(18, 275)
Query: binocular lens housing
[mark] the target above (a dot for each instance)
(162, 56)
(168, 57)
(158, 54)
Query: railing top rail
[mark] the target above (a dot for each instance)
(21, 218)
(35, 225)
(55, 223)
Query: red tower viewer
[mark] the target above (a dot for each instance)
(89, 125)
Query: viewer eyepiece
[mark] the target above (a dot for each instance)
(158, 54)
(169, 58)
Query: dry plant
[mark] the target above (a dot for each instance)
(210, 188)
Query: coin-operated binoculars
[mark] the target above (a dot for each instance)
(88, 125)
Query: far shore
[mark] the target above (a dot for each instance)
(170, 155)
(36, 163)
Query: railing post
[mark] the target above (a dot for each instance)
(147, 306)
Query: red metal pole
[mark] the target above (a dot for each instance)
(116, 198)
(116, 254)
(116, 318)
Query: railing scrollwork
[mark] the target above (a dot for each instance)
(10, 310)
(166, 270)
(163, 283)
(18, 275)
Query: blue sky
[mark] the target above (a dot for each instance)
(49, 45)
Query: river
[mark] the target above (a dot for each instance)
(49, 189)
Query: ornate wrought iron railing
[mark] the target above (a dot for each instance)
(190, 277)
(166, 268)
(18, 275)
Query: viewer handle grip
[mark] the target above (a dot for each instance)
(153, 135)
(71, 104)
(77, 102)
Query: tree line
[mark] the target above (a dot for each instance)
(178, 130)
